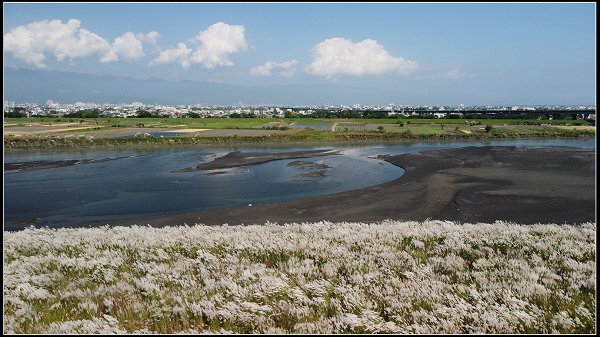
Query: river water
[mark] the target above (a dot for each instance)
(143, 182)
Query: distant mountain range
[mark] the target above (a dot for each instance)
(37, 86)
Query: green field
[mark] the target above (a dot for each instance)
(197, 123)
(437, 121)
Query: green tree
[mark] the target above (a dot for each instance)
(16, 113)
(374, 114)
(85, 113)
(146, 114)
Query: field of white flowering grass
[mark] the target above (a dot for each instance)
(389, 277)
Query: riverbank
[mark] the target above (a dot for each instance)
(292, 137)
(471, 184)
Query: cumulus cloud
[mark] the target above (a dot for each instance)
(150, 37)
(180, 54)
(218, 41)
(127, 46)
(287, 68)
(32, 42)
(216, 44)
(339, 56)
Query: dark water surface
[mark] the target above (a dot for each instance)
(143, 182)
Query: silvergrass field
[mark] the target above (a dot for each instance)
(388, 277)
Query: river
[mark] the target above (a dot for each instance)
(144, 182)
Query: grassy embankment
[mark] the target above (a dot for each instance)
(378, 130)
(391, 277)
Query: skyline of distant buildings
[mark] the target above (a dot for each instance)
(52, 108)
(51, 103)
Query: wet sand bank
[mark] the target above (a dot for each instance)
(46, 164)
(471, 184)
(238, 158)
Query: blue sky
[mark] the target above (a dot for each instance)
(451, 53)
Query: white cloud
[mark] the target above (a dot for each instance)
(287, 68)
(127, 46)
(151, 37)
(180, 54)
(453, 74)
(339, 56)
(67, 41)
(218, 41)
(32, 42)
(216, 44)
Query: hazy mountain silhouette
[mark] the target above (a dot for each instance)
(38, 86)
